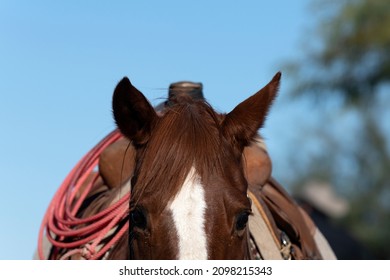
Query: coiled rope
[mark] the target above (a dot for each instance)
(84, 236)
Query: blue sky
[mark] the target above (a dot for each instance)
(60, 61)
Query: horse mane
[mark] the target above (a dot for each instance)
(187, 136)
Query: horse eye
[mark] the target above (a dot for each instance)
(138, 219)
(241, 221)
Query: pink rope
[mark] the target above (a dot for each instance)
(60, 223)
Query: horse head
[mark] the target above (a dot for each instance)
(189, 191)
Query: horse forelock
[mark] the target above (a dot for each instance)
(187, 136)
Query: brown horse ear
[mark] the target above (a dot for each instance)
(242, 123)
(133, 114)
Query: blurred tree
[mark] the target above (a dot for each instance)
(350, 67)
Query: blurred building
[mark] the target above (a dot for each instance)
(326, 209)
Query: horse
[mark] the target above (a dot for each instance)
(199, 185)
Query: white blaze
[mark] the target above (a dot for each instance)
(188, 209)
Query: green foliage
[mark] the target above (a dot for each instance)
(354, 57)
(352, 63)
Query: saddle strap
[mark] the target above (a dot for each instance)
(322, 244)
(289, 218)
(261, 231)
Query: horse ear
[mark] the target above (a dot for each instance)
(133, 114)
(242, 123)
